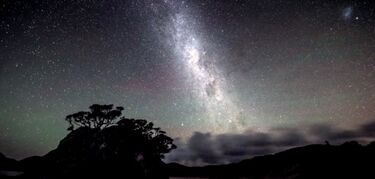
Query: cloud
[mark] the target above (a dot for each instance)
(206, 148)
(325, 132)
(368, 129)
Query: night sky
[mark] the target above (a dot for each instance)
(207, 72)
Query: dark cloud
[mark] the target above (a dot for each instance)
(206, 148)
(368, 129)
(203, 148)
(325, 132)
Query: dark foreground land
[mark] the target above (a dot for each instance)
(349, 160)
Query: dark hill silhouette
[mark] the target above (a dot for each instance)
(349, 160)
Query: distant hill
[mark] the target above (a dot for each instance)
(349, 160)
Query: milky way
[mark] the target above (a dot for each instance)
(208, 84)
(215, 67)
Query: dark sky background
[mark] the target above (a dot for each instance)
(227, 79)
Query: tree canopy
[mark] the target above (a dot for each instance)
(120, 133)
(99, 117)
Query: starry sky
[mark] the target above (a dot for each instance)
(201, 70)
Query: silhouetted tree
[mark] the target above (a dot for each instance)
(99, 117)
(155, 142)
(102, 142)
(104, 116)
